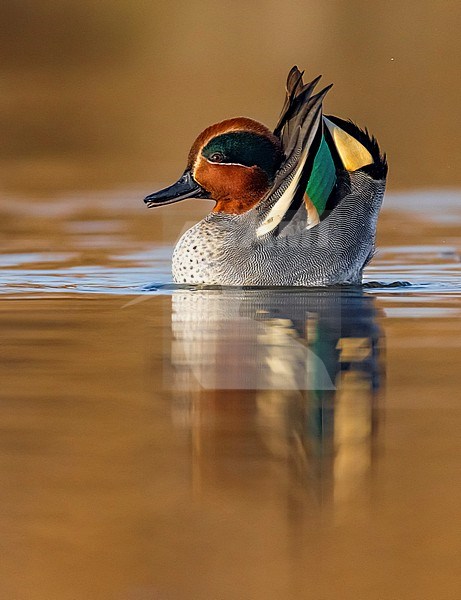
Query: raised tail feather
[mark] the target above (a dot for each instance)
(318, 152)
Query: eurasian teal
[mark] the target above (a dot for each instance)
(296, 207)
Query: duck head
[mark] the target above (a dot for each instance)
(232, 162)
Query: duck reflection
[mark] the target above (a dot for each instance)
(285, 379)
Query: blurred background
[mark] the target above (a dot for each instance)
(108, 94)
(121, 478)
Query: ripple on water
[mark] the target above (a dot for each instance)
(103, 245)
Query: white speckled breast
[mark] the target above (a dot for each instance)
(198, 254)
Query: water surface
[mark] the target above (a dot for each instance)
(257, 444)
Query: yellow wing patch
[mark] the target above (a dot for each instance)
(352, 153)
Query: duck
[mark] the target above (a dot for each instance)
(294, 206)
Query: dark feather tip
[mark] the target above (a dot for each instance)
(379, 168)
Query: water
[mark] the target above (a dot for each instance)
(108, 243)
(257, 444)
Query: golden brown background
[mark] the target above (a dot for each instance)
(111, 93)
(118, 482)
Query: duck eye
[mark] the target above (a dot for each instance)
(217, 157)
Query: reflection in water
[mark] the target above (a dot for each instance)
(246, 493)
(296, 371)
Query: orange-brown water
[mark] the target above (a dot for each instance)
(160, 443)
(186, 444)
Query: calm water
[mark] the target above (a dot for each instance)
(179, 444)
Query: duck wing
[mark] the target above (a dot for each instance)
(296, 93)
(300, 129)
(320, 153)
